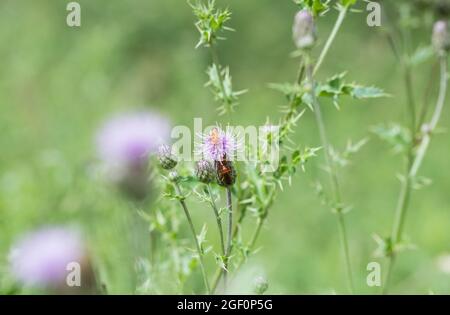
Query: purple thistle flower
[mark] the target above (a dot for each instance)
(129, 138)
(41, 258)
(218, 144)
(124, 144)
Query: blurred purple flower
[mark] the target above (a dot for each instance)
(129, 138)
(40, 258)
(304, 29)
(441, 36)
(124, 144)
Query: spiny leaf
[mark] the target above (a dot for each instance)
(315, 6)
(361, 92)
(397, 136)
(210, 21)
(335, 87)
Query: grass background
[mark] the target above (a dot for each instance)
(58, 83)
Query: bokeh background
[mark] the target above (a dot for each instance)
(57, 84)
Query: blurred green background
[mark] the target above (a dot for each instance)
(57, 84)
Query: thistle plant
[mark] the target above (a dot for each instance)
(415, 139)
(211, 24)
(247, 188)
(307, 92)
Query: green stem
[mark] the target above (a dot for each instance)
(410, 97)
(216, 63)
(218, 219)
(194, 234)
(337, 25)
(414, 167)
(229, 236)
(253, 239)
(220, 271)
(230, 219)
(332, 173)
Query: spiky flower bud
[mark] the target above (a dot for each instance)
(441, 38)
(304, 30)
(166, 158)
(260, 285)
(225, 173)
(204, 171)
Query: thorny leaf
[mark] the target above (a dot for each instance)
(288, 167)
(343, 158)
(315, 6)
(210, 22)
(421, 182)
(336, 87)
(220, 260)
(386, 247)
(201, 238)
(398, 137)
(221, 85)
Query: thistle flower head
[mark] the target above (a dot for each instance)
(124, 144)
(167, 160)
(204, 171)
(41, 258)
(218, 145)
(130, 138)
(304, 29)
(441, 36)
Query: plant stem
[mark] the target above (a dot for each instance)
(253, 239)
(414, 167)
(410, 97)
(229, 237)
(230, 219)
(216, 63)
(218, 219)
(333, 174)
(331, 38)
(220, 271)
(194, 234)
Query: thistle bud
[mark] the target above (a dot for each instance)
(166, 158)
(304, 30)
(260, 285)
(204, 171)
(441, 38)
(225, 172)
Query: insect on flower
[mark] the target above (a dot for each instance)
(226, 174)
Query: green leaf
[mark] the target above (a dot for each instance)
(361, 92)
(317, 7)
(336, 87)
(210, 22)
(201, 238)
(395, 135)
(348, 3)
(421, 55)
(287, 89)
